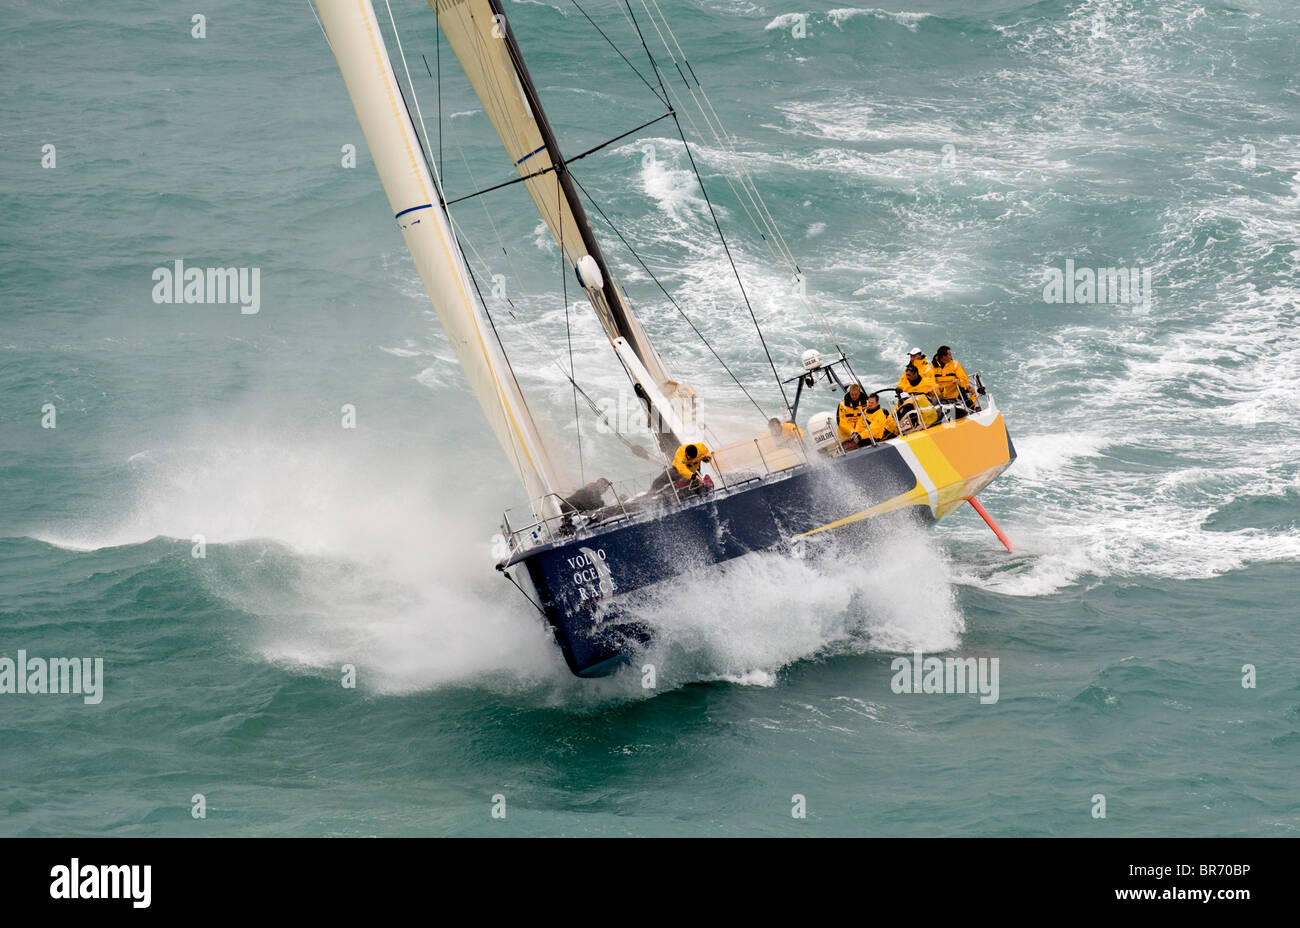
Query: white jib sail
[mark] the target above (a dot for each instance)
(354, 35)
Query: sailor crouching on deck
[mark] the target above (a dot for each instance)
(786, 432)
(684, 474)
(588, 498)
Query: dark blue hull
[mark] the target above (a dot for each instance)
(580, 582)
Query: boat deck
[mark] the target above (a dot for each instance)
(739, 466)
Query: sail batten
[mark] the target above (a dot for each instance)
(354, 36)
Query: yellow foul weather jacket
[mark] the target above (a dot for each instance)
(849, 417)
(925, 385)
(951, 379)
(880, 423)
(685, 467)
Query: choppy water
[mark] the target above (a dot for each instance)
(1156, 500)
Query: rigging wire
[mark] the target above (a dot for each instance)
(540, 345)
(546, 350)
(548, 170)
(766, 228)
(463, 241)
(437, 59)
(531, 602)
(662, 95)
(716, 224)
(500, 94)
(497, 335)
(411, 84)
(610, 223)
(437, 84)
(628, 245)
(723, 138)
(537, 343)
(776, 243)
(603, 35)
(460, 150)
(571, 373)
(328, 43)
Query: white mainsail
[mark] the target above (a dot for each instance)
(354, 35)
(480, 36)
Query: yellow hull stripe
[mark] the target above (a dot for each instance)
(950, 461)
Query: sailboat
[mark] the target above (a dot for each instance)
(586, 564)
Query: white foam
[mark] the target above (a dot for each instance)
(904, 18)
(839, 17)
(784, 21)
(410, 349)
(894, 599)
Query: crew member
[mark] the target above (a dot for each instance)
(913, 381)
(950, 378)
(916, 358)
(590, 497)
(684, 473)
(878, 422)
(849, 417)
(687, 460)
(786, 432)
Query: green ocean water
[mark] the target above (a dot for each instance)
(1155, 503)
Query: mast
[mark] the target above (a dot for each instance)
(480, 35)
(354, 36)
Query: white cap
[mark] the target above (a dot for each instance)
(902, 396)
(915, 351)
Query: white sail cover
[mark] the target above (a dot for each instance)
(478, 39)
(354, 35)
